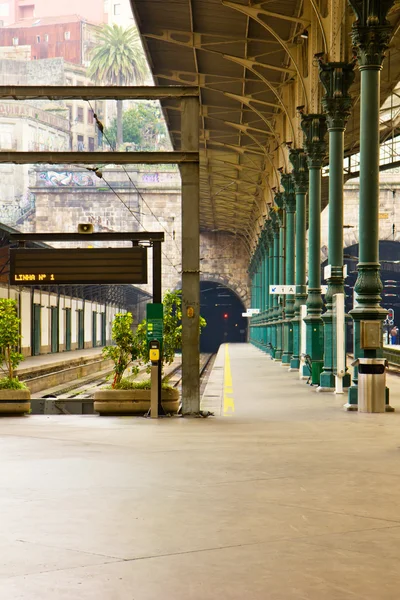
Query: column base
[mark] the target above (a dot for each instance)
(294, 363)
(328, 382)
(350, 407)
(286, 359)
(316, 370)
(278, 356)
(306, 372)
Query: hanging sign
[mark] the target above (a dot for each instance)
(282, 289)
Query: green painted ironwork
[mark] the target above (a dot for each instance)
(336, 77)
(371, 34)
(314, 127)
(300, 177)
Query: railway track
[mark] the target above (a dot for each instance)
(84, 391)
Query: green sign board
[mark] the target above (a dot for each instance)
(155, 323)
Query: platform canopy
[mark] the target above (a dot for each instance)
(254, 63)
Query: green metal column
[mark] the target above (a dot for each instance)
(371, 35)
(279, 199)
(300, 176)
(275, 307)
(290, 207)
(336, 78)
(266, 290)
(253, 300)
(314, 128)
(270, 282)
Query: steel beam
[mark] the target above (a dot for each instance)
(32, 92)
(109, 158)
(85, 237)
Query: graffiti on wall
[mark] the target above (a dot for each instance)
(66, 178)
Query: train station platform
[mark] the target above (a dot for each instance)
(281, 496)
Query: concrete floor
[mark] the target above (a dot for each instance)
(287, 498)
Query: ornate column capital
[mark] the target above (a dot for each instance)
(275, 223)
(298, 158)
(270, 232)
(371, 31)
(280, 202)
(314, 128)
(289, 195)
(337, 77)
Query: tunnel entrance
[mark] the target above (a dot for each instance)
(222, 309)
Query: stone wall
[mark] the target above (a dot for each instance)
(147, 200)
(389, 211)
(225, 259)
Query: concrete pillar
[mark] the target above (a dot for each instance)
(371, 35)
(336, 78)
(314, 128)
(300, 176)
(190, 260)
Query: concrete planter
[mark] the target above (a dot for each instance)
(15, 402)
(132, 402)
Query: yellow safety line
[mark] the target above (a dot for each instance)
(229, 404)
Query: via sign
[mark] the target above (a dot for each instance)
(290, 289)
(282, 289)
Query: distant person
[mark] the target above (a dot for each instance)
(393, 335)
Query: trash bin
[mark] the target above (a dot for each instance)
(371, 384)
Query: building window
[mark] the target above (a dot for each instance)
(67, 35)
(117, 9)
(38, 39)
(91, 144)
(15, 41)
(46, 37)
(90, 118)
(70, 109)
(81, 145)
(80, 117)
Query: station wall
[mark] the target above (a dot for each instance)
(52, 323)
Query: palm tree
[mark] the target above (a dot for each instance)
(118, 59)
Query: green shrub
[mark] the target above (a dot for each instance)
(121, 353)
(7, 383)
(9, 340)
(128, 384)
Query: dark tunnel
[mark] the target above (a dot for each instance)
(222, 309)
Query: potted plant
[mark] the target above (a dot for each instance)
(14, 395)
(127, 396)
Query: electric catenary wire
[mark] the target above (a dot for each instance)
(99, 174)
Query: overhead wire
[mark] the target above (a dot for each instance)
(101, 128)
(99, 174)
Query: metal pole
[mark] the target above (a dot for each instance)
(157, 299)
(300, 176)
(290, 206)
(314, 128)
(275, 307)
(371, 34)
(190, 260)
(281, 276)
(336, 78)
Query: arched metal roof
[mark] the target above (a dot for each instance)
(254, 64)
